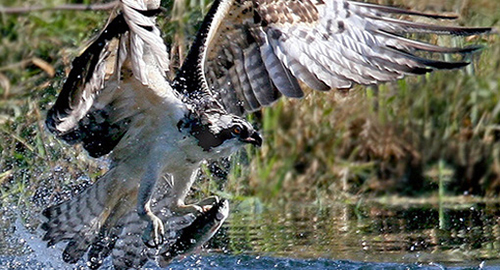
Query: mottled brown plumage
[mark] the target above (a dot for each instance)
(260, 49)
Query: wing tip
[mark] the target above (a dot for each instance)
(470, 49)
(469, 31)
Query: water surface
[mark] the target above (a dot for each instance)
(365, 235)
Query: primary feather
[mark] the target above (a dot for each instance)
(249, 52)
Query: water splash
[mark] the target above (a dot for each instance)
(23, 248)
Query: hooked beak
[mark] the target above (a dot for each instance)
(254, 139)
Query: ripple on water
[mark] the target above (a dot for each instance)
(294, 238)
(240, 262)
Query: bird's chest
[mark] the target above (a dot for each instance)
(179, 150)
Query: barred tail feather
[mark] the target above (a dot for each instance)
(77, 220)
(84, 218)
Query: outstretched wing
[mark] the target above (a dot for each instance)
(94, 107)
(250, 52)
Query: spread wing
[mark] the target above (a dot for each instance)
(97, 104)
(250, 52)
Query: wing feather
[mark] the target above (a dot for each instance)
(90, 73)
(324, 43)
(278, 73)
(252, 66)
(94, 107)
(240, 72)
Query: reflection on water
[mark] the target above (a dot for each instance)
(366, 235)
(453, 234)
(243, 262)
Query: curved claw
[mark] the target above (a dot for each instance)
(153, 236)
(200, 208)
(169, 230)
(152, 244)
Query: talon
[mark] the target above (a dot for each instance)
(208, 202)
(182, 210)
(199, 208)
(206, 208)
(153, 236)
(153, 244)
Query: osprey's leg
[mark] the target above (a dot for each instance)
(199, 207)
(182, 183)
(153, 235)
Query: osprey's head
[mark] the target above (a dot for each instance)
(222, 132)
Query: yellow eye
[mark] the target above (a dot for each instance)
(236, 130)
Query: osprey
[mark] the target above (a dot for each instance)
(248, 53)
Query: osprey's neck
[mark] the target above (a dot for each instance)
(198, 123)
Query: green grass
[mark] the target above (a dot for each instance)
(396, 139)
